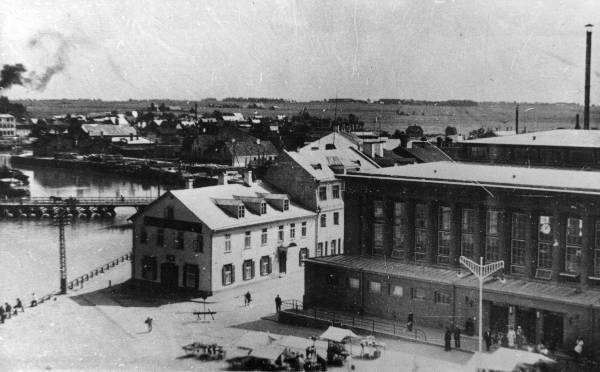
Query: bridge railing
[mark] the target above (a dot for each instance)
(78, 201)
(98, 271)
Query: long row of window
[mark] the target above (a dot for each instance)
(264, 236)
(519, 223)
(329, 248)
(335, 192)
(178, 238)
(191, 273)
(394, 290)
(323, 219)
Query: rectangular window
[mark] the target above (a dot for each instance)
(574, 245)
(241, 211)
(228, 274)
(286, 204)
(303, 230)
(378, 235)
(354, 283)
(378, 209)
(326, 250)
(492, 238)
(399, 232)
(417, 293)
(263, 237)
(265, 265)
(248, 269)
(143, 236)
(375, 287)
(292, 231)
(190, 276)
(517, 243)
(280, 234)
(263, 208)
(160, 237)
(319, 251)
(545, 242)
(444, 222)
(466, 234)
(302, 255)
(421, 232)
(333, 247)
(442, 298)
(247, 240)
(149, 268)
(323, 220)
(179, 240)
(397, 291)
(335, 191)
(227, 243)
(323, 193)
(336, 218)
(199, 244)
(169, 213)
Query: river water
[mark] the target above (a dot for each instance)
(29, 260)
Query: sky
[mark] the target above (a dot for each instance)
(484, 50)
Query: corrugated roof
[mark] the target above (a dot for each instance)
(110, 130)
(318, 162)
(514, 287)
(547, 179)
(201, 202)
(557, 137)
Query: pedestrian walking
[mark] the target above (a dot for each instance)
(34, 301)
(277, 303)
(520, 337)
(511, 337)
(409, 322)
(578, 349)
(148, 322)
(247, 298)
(487, 337)
(2, 314)
(447, 339)
(19, 305)
(8, 309)
(457, 337)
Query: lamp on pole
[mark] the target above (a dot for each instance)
(481, 271)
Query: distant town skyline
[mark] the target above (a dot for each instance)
(302, 50)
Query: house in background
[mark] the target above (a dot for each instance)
(212, 238)
(8, 125)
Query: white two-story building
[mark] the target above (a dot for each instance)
(8, 125)
(217, 237)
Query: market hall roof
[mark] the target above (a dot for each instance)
(514, 287)
(512, 177)
(553, 138)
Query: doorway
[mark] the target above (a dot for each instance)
(282, 261)
(526, 318)
(169, 275)
(553, 329)
(499, 318)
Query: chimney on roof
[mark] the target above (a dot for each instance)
(588, 60)
(189, 183)
(577, 121)
(223, 179)
(248, 178)
(517, 120)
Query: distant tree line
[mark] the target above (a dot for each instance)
(451, 102)
(255, 99)
(346, 100)
(15, 109)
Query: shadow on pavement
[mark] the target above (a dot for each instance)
(128, 294)
(270, 324)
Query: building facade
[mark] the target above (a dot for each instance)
(8, 125)
(213, 238)
(406, 228)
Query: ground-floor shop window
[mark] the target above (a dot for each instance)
(354, 283)
(149, 268)
(397, 291)
(190, 276)
(375, 287)
(228, 274)
(248, 269)
(265, 265)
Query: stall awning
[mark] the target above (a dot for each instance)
(337, 334)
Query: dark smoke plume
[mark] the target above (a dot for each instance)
(12, 75)
(59, 59)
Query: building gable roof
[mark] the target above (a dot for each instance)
(109, 130)
(555, 138)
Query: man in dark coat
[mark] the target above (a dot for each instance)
(278, 303)
(447, 339)
(409, 322)
(487, 337)
(457, 337)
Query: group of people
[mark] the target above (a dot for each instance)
(451, 332)
(6, 311)
(513, 338)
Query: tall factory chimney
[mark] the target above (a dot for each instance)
(577, 121)
(517, 120)
(588, 60)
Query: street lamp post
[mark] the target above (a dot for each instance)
(481, 271)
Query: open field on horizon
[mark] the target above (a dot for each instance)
(434, 119)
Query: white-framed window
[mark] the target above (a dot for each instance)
(323, 220)
(265, 265)
(241, 211)
(323, 193)
(303, 230)
(227, 243)
(247, 240)
(228, 273)
(264, 237)
(336, 218)
(263, 208)
(248, 269)
(374, 287)
(280, 234)
(292, 231)
(335, 191)
(286, 204)
(354, 283)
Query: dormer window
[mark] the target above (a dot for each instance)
(317, 166)
(286, 204)
(241, 211)
(263, 208)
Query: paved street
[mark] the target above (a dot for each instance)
(104, 329)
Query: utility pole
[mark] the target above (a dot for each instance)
(60, 220)
(481, 271)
